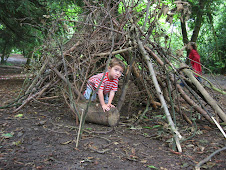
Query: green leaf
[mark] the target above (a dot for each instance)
(152, 166)
(145, 117)
(7, 135)
(19, 115)
(147, 127)
(156, 126)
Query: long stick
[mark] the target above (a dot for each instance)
(197, 167)
(208, 98)
(39, 93)
(80, 128)
(163, 102)
(183, 94)
(219, 127)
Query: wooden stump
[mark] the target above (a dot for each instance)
(97, 115)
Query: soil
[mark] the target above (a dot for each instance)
(42, 135)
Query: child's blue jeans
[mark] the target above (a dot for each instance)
(89, 91)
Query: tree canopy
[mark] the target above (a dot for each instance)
(24, 25)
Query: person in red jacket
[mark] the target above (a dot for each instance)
(195, 59)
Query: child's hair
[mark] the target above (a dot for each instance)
(117, 62)
(194, 46)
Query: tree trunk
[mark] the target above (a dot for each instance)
(215, 36)
(198, 21)
(29, 56)
(3, 61)
(184, 32)
(198, 24)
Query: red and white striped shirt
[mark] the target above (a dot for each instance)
(107, 85)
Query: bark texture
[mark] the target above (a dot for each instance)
(96, 115)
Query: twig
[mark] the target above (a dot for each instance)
(102, 132)
(197, 166)
(80, 129)
(143, 114)
(98, 151)
(113, 52)
(39, 93)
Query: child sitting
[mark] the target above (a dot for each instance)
(108, 86)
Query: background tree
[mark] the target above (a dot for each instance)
(199, 23)
(203, 14)
(24, 24)
(195, 21)
(212, 39)
(6, 44)
(27, 23)
(20, 19)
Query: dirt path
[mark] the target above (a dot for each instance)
(42, 134)
(16, 59)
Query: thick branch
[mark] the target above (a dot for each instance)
(206, 95)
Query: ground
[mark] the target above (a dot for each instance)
(42, 135)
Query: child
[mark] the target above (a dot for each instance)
(108, 86)
(195, 59)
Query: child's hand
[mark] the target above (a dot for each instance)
(110, 105)
(105, 107)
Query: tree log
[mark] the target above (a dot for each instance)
(206, 95)
(97, 115)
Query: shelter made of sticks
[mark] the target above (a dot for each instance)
(103, 32)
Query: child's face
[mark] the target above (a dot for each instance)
(190, 46)
(114, 72)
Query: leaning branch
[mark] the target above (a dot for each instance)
(39, 93)
(206, 95)
(197, 167)
(113, 52)
(163, 102)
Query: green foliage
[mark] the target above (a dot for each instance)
(6, 43)
(212, 47)
(19, 20)
(211, 43)
(25, 24)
